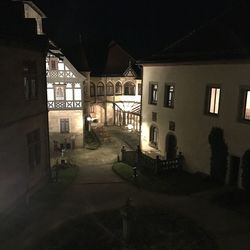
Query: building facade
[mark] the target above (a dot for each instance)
(196, 100)
(114, 96)
(24, 149)
(65, 101)
(64, 91)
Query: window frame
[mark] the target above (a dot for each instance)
(118, 85)
(131, 88)
(152, 99)
(64, 129)
(153, 136)
(169, 96)
(100, 90)
(209, 97)
(109, 89)
(242, 104)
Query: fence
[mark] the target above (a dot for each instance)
(157, 166)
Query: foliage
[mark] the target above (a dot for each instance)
(173, 183)
(246, 171)
(151, 228)
(219, 154)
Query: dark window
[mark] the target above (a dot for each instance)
(30, 80)
(92, 89)
(212, 100)
(153, 137)
(118, 88)
(154, 116)
(129, 88)
(53, 64)
(64, 125)
(153, 91)
(139, 89)
(109, 89)
(34, 148)
(169, 96)
(100, 89)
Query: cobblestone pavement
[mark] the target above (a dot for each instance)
(98, 188)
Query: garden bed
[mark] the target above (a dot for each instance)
(151, 228)
(175, 182)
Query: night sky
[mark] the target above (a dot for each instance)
(141, 26)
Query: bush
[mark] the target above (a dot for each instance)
(219, 153)
(246, 171)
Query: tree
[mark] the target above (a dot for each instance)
(219, 154)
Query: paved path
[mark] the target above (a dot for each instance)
(98, 188)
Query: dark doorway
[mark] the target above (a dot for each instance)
(234, 170)
(171, 146)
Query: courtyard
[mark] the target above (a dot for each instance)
(92, 188)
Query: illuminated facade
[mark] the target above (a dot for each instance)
(65, 101)
(114, 96)
(64, 91)
(189, 91)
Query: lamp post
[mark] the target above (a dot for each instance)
(89, 119)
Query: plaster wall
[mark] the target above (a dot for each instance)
(17, 179)
(75, 126)
(192, 125)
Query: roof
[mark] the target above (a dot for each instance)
(222, 38)
(34, 7)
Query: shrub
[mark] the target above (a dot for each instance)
(246, 171)
(219, 153)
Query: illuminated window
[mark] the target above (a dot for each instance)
(109, 89)
(77, 92)
(69, 92)
(100, 89)
(50, 92)
(169, 96)
(60, 66)
(129, 88)
(213, 100)
(64, 125)
(245, 104)
(153, 93)
(34, 148)
(153, 137)
(118, 88)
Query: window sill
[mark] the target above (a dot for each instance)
(153, 145)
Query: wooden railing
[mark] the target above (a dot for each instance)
(156, 166)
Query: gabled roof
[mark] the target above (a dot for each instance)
(34, 7)
(225, 37)
(118, 60)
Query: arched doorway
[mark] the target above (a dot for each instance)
(171, 146)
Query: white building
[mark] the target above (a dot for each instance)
(64, 91)
(115, 93)
(200, 83)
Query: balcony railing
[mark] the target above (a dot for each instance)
(64, 105)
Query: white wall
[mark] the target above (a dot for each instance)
(192, 126)
(75, 126)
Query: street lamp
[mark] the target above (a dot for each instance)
(89, 119)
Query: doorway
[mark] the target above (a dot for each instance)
(171, 146)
